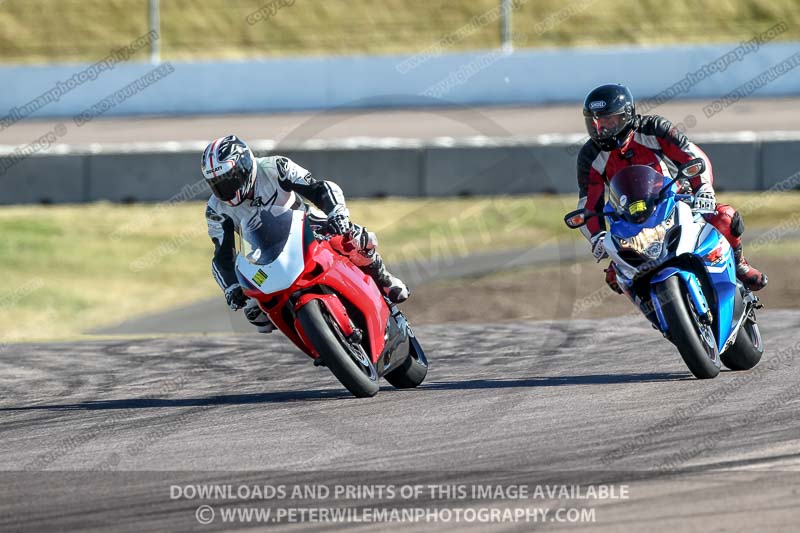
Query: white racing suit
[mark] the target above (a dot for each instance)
(279, 181)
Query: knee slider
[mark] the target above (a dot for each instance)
(737, 225)
(366, 239)
(371, 240)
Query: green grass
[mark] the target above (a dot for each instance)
(67, 269)
(72, 30)
(65, 272)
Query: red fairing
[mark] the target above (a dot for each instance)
(347, 281)
(357, 288)
(334, 306)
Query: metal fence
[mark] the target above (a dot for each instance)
(82, 30)
(36, 31)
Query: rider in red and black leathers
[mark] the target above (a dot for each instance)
(620, 138)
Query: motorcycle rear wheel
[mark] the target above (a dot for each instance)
(348, 362)
(747, 349)
(412, 372)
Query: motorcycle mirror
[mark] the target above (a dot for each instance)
(692, 168)
(575, 219)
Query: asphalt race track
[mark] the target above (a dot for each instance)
(116, 423)
(751, 114)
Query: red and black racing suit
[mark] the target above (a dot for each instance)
(655, 142)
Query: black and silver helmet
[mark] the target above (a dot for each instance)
(610, 115)
(229, 169)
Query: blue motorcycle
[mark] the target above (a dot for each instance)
(678, 269)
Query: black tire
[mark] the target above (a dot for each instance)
(747, 349)
(413, 370)
(335, 351)
(684, 329)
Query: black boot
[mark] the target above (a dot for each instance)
(392, 286)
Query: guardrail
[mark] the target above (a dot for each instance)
(154, 172)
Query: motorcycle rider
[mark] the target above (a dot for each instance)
(619, 138)
(242, 183)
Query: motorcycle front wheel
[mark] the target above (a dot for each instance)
(348, 361)
(694, 339)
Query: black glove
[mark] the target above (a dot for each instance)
(339, 220)
(235, 297)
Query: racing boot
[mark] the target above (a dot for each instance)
(750, 277)
(611, 278)
(392, 286)
(257, 317)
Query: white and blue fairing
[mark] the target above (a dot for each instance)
(683, 233)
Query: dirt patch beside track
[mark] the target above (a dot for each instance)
(558, 292)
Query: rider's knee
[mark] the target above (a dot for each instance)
(370, 240)
(724, 211)
(729, 222)
(364, 239)
(737, 225)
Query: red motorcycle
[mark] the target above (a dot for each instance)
(326, 305)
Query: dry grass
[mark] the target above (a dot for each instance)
(80, 30)
(70, 268)
(65, 272)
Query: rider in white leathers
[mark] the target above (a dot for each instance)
(242, 184)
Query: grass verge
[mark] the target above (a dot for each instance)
(71, 268)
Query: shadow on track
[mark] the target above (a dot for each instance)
(317, 395)
(558, 381)
(231, 399)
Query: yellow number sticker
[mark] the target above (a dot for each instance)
(637, 207)
(260, 277)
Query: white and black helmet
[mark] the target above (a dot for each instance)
(229, 169)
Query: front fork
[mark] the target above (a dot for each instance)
(692, 285)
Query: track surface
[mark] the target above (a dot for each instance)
(535, 402)
(750, 114)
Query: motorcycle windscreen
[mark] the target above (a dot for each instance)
(265, 234)
(271, 251)
(634, 192)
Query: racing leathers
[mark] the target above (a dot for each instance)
(655, 142)
(282, 182)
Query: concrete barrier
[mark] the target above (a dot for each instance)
(149, 177)
(498, 170)
(735, 164)
(474, 166)
(780, 159)
(370, 171)
(46, 179)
